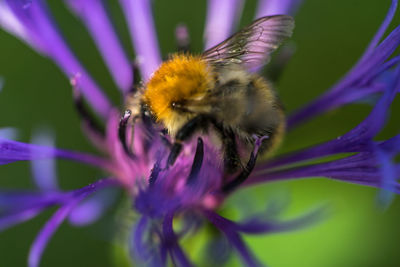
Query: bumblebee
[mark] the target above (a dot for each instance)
(218, 92)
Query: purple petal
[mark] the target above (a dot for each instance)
(381, 31)
(144, 249)
(257, 226)
(172, 243)
(382, 69)
(217, 250)
(60, 215)
(138, 238)
(277, 7)
(17, 218)
(222, 16)
(13, 202)
(391, 146)
(91, 209)
(10, 23)
(44, 171)
(94, 15)
(11, 151)
(350, 87)
(37, 21)
(389, 177)
(377, 118)
(46, 233)
(362, 169)
(96, 186)
(141, 25)
(227, 227)
(377, 57)
(357, 140)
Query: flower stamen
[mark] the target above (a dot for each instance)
(122, 132)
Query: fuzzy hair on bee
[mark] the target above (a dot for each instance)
(216, 93)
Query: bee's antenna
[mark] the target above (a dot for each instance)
(122, 132)
(197, 162)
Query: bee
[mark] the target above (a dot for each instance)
(217, 92)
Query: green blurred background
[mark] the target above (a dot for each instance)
(330, 36)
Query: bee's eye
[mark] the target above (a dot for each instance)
(176, 105)
(179, 106)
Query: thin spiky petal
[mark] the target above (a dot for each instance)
(46, 233)
(277, 7)
(11, 151)
(44, 170)
(59, 216)
(143, 34)
(362, 80)
(94, 16)
(222, 17)
(42, 32)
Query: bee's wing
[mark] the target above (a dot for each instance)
(252, 45)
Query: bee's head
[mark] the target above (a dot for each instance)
(179, 80)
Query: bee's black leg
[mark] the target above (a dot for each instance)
(184, 134)
(246, 171)
(231, 155)
(238, 180)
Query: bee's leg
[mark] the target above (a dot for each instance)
(231, 159)
(238, 180)
(184, 134)
(242, 176)
(231, 155)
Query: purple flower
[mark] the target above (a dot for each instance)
(192, 190)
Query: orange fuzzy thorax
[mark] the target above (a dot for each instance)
(181, 78)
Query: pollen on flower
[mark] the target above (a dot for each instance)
(184, 77)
